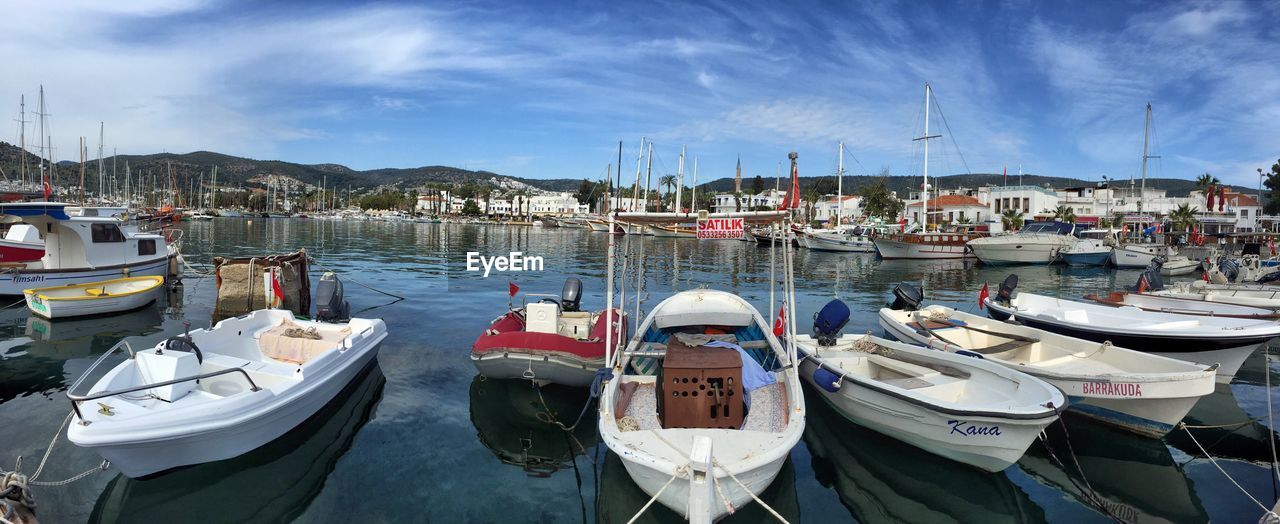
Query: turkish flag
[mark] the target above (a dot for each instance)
(48, 190)
(983, 296)
(780, 321)
(276, 288)
(512, 289)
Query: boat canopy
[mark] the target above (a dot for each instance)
(55, 210)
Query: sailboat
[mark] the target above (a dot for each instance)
(927, 244)
(1139, 255)
(703, 405)
(843, 239)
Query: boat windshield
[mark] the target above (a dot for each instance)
(1051, 228)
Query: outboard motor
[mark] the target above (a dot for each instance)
(331, 306)
(1269, 277)
(1149, 280)
(906, 297)
(1005, 293)
(571, 295)
(1229, 267)
(828, 322)
(1157, 263)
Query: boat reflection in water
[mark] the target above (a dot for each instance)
(1136, 478)
(274, 483)
(513, 422)
(82, 337)
(1235, 431)
(620, 498)
(882, 480)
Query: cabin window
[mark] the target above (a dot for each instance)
(147, 247)
(107, 233)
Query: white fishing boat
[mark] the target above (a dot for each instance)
(95, 298)
(1135, 255)
(1204, 340)
(1134, 391)
(1256, 295)
(965, 409)
(1178, 265)
(83, 249)
(1035, 243)
(695, 464)
(220, 392)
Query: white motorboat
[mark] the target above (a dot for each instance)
(847, 241)
(1204, 340)
(1182, 306)
(83, 249)
(1090, 249)
(1135, 255)
(1134, 391)
(965, 409)
(695, 464)
(1036, 243)
(1178, 265)
(1256, 295)
(675, 231)
(94, 298)
(220, 392)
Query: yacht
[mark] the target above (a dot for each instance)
(1037, 243)
(1093, 248)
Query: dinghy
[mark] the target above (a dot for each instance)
(217, 393)
(1178, 265)
(1204, 340)
(1137, 392)
(965, 409)
(95, 298)
(1256, 295)
(1181, 306)
(704, 407)
(549, 342)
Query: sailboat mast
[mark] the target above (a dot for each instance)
(693, 191)
(82, 171)
(840, 186)
(648, 175)
(635, 191)
(101, 174)
(1146, 132)
(22, 139)
(680, 182)
(925, 189)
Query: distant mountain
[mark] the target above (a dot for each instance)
(236, 171)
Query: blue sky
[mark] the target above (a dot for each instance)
(547, 90)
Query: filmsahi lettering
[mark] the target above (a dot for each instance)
(959, 427)
(1112, 390)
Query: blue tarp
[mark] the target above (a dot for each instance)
(753, 374)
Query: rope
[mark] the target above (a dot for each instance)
(726, 471)
(1267, 512)
(1086, 491)
(655, 496)
(357, 282)
(48, 451)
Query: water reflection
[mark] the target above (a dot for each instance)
(516, 423)
(274, 483)
(882, 480)
(1136, 478)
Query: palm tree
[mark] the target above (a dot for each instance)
(737, 201)
(1012, 219)
(1184, 217)
(1204, 181)
(669, 181)
(810, 196)
(1064, 214)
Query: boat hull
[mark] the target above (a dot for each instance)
(1152, 411)
(1009, 253)
(1228, 353)
(15, 282)
(55, 309)
(541, 368)
(929, 430)
(1099, 258)
(840, 243)
(137, 457)
(11, 251)
(894, 249)
(1131, 258)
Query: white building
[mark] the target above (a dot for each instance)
(554, 204)
(724, 202)
(497, 206)
(1028, 200)
(824, 210)
(948, 209)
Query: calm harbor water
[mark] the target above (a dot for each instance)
(419, 437)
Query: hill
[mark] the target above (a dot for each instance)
(237, 171)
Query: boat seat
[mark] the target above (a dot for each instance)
(1011, 345)
(908, 382)
(286, 343)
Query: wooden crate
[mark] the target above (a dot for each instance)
(702, 388)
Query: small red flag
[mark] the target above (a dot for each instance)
(512, 289)
(983, 295)
(47, 189)
(276, 289)
(780, 321)
(1273, 246)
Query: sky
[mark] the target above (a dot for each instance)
(547, 90)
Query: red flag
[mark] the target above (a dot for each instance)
(512, 289)
(276, 289)
(48, 190)
(780, 321)
(1209, 196)
(983, 296)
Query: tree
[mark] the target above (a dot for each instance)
(470, 208)
(1204, 181)
(1064, 214)
(1012, 219)
(1184, 217)
(757, 185)
(810, 196)
(586, 193)
(669, 181)
(737, 201)
(878, 201)
(1273, 184)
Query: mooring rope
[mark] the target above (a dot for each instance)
(1086, 491)
(655, 496)
(1267, 512)
(313, 260)
(726, 471)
